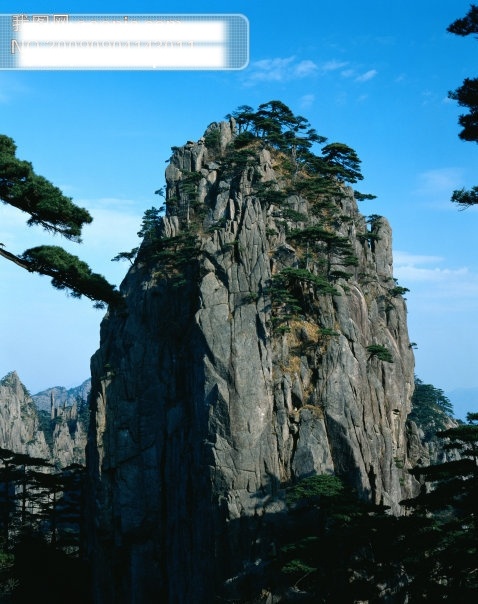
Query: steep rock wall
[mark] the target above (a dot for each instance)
(62, 442)
(207, 399)
(66, 431)
(19, 426)
(69, 438)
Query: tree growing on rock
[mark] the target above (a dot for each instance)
(22, 188)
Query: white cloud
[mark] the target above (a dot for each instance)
(368, 75)
(285, 69)
(306, 101)
(405, 258)
(305, 68)
(333, 65)
(271, 69)
(418, 268)
(438, 181)
(427, 97)
(280, 70)
(410, 273)
(359, 77)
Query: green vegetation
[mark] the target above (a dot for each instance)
(315, 488)
(129, 256)
(276, 127)
(319, 177)
(150, 224)
(431, 409)
(293, 215)
(289, 295)
(236, 161)
(363, 196)
(40, 524)
(368, 236)
(337, 548)
(342, 162)
(325, 240)
(330, 550)
(467, 96)
(445, 542)
(398, 290)
(465, 197)
(380, 352)
(212, 140)
(21, 188)
(71, 273)
(173, 256)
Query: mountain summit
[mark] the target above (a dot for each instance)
(263, 340)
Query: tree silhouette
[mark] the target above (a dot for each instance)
(445, 541)
(467, 96)
(15, 486)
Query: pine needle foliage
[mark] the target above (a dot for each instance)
(22, 188)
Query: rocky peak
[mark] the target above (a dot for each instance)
(65, 419)
(57, 435)
(263, 340)
(19, 425)
(60, 396)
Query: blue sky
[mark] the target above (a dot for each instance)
(372, 74)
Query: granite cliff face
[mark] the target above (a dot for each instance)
(65, 413)
(19, 424)
(254, 349)
(58, 436)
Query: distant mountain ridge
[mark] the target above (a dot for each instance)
(62, 396)
(29, 425)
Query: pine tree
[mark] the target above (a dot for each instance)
(47, 207)
(431, 408)
(444, 564)
(467, 96)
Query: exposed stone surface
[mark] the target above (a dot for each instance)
(69, 437)
(19, 425)
(423, 451)
(201, 412)
(68, 411)
(62, 397)
(62, 442)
